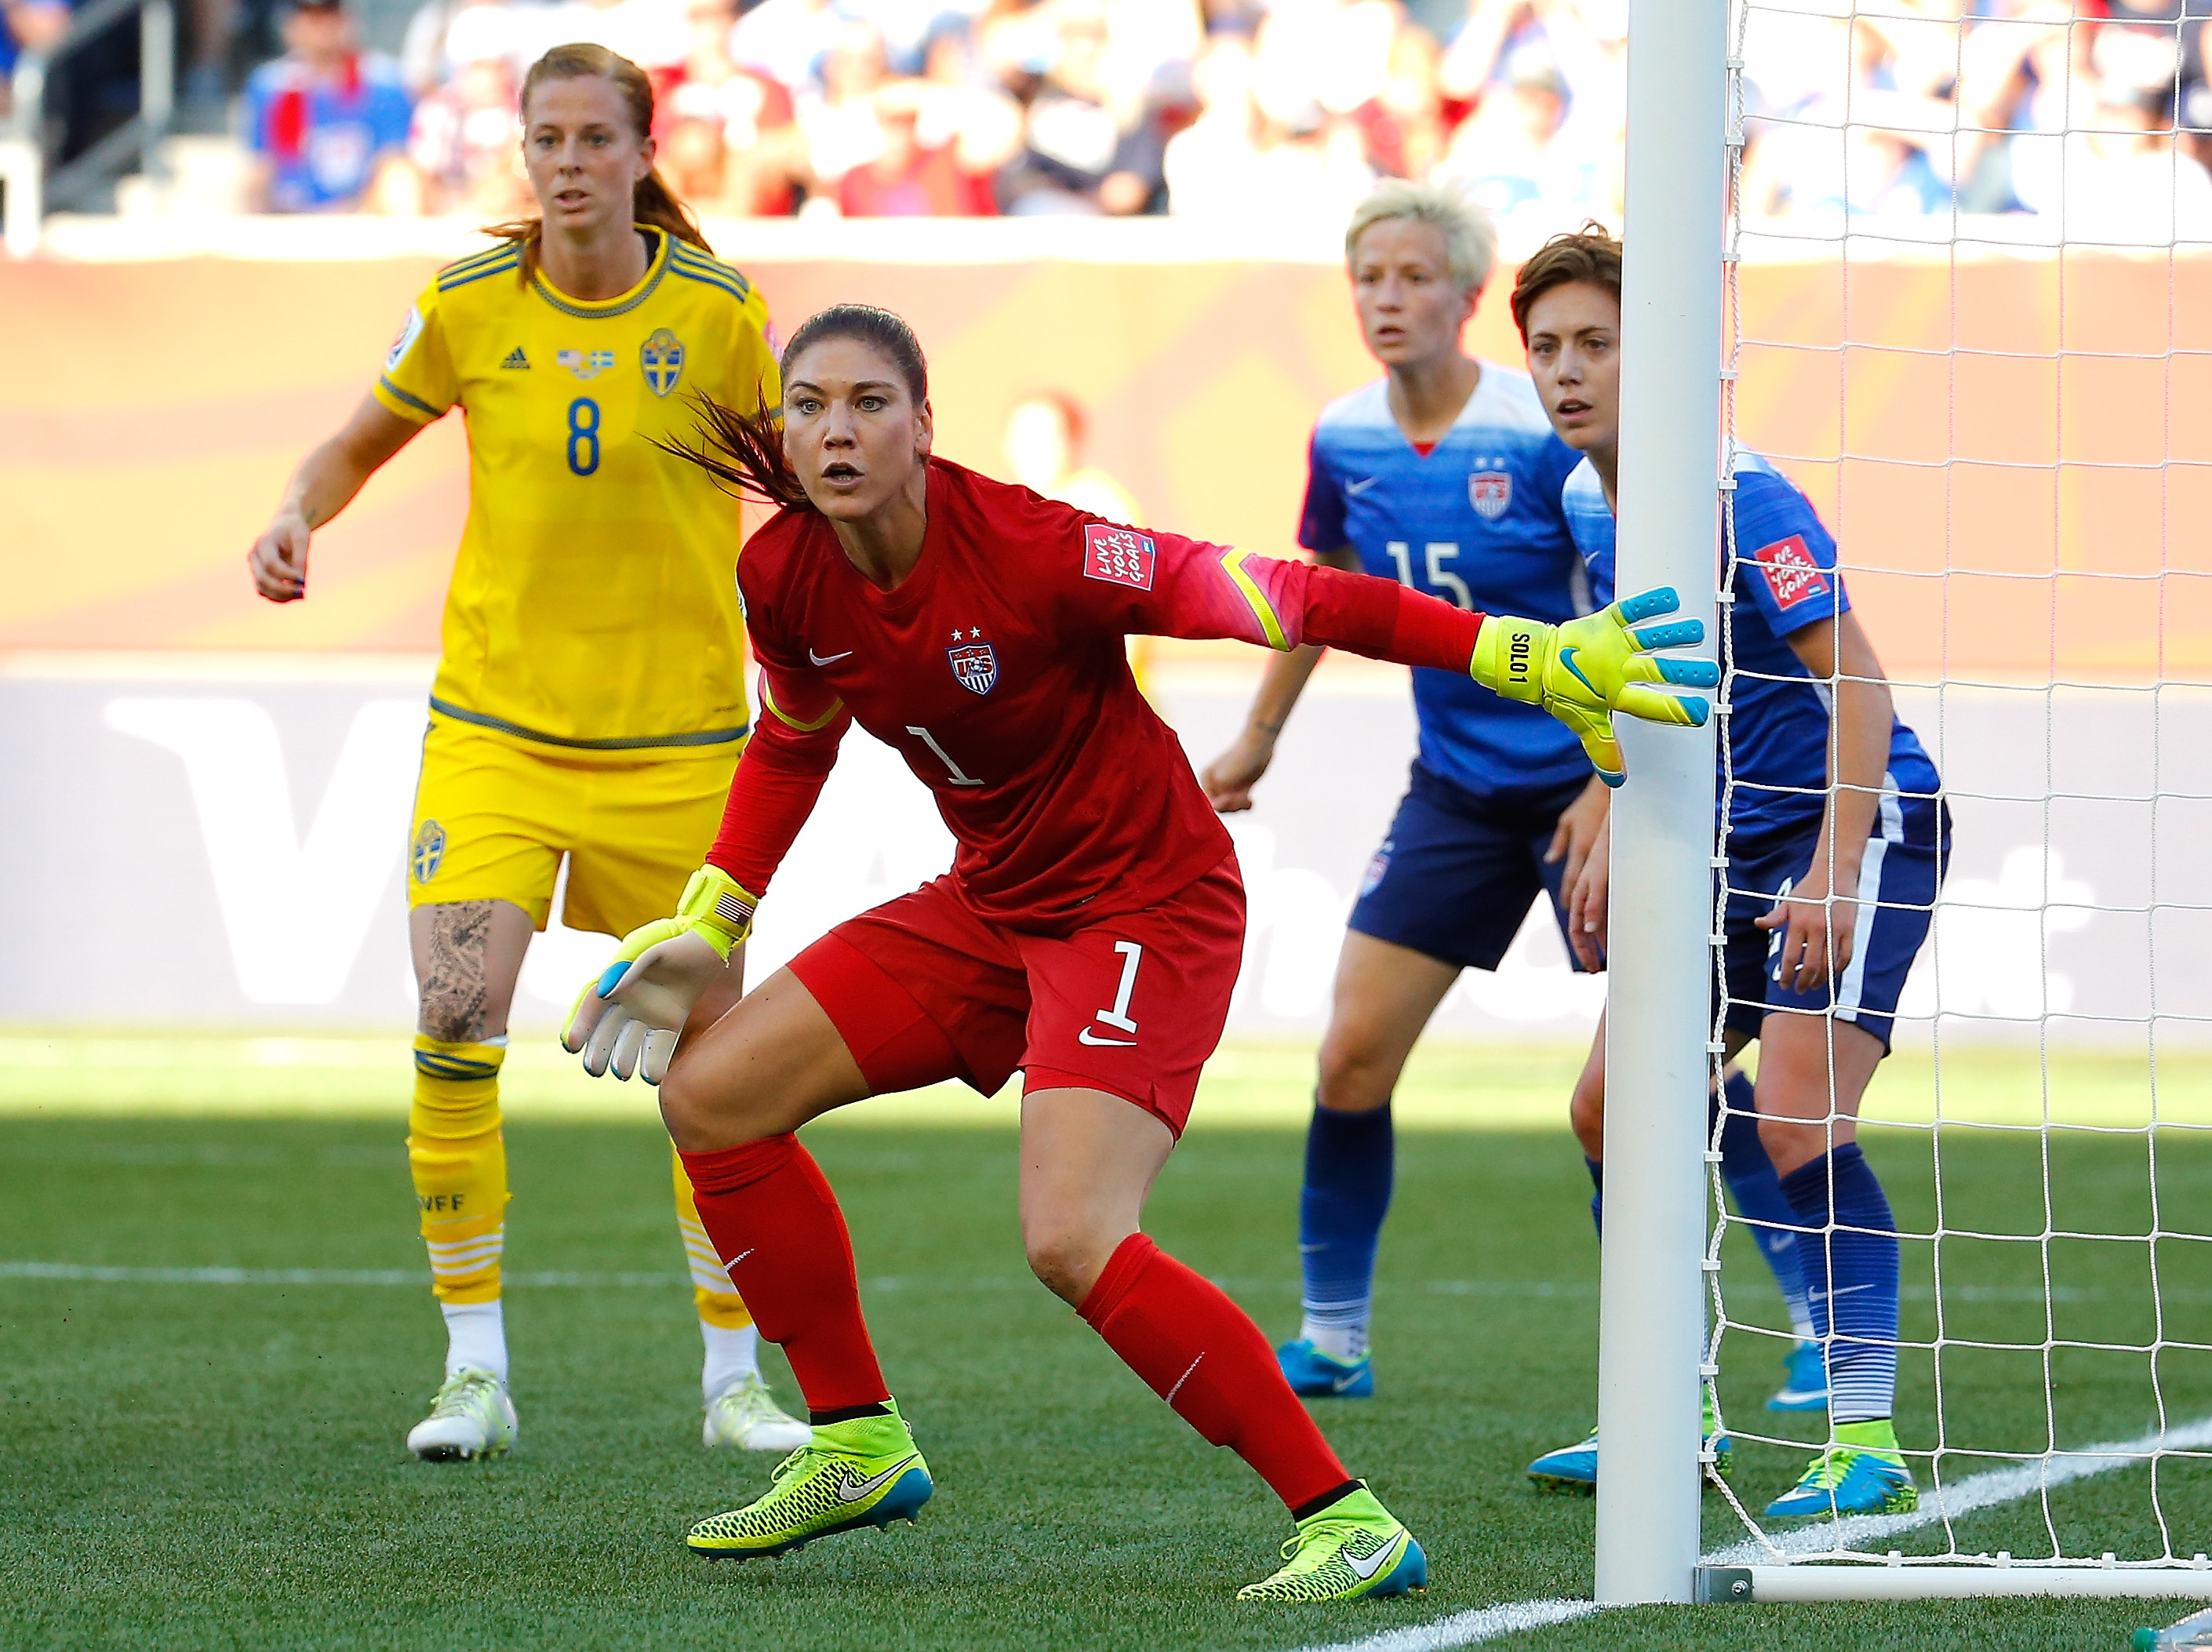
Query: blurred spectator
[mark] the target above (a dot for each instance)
(466, 142)
(1044, 453)
(1285, 111)
(839, 120)
(445, 35)
(327, 123)
(1094, 139)
(786, 40)
(1210, 163)
(907, 178)
(27, 25)
(735, 127)
(1502, 154)
(2123, 182)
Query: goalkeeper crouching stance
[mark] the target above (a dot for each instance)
(1837, 839)
(1089, 933)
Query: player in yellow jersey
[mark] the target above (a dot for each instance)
(591, 699)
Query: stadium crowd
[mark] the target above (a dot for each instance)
(2064, 109)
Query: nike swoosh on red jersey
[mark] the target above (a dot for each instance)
(1085, 1037)
(824, 659)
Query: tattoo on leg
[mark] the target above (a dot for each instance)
(453, 986)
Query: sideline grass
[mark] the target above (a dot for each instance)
(220, 1465)
(1447, 1086)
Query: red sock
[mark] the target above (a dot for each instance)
(1198, 1350)
(774, 1221)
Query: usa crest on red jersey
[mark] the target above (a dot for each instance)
(1118, 555)
(975, 666)
(1491, 493)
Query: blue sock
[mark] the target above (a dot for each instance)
(1759, 1199)
(1347, 1194)
(1596, 1167)
(1852, 1280)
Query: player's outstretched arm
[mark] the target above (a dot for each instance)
(326, 482)
(1587, 669)
(1582, 672)
(1230, 778)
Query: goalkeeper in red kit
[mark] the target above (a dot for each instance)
(1089, 933)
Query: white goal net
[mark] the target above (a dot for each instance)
(1969, 313)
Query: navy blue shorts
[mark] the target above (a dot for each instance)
(1906, 859)
(1457, 874)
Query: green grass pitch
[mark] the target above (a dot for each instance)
(189, 1465)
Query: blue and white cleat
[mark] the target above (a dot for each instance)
(1573, 1469)
(1863, 1473)
(1314, 1375)
(1806, 1388)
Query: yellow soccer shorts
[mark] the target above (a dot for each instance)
(494, 816)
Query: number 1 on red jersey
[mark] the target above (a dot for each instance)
(929, 740)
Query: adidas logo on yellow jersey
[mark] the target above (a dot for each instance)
(515, 358)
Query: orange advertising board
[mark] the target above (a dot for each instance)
(2012, 451)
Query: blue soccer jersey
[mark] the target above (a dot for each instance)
(1476, 522)
(1775, 765)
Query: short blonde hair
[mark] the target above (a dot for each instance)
(1470, 237)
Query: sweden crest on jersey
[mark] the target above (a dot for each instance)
(662, 355)
(976, 665)
(429, 851)
(1491, 493)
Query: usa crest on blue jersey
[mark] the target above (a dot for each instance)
(1491, 493)
(975, 665)
(662, 355)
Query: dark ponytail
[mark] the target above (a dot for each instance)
(743, 452)
(653, 202)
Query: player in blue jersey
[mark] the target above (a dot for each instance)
(1444, 476)
(1837, 838)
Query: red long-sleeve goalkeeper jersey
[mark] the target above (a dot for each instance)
(997, 671)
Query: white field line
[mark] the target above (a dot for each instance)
(1968, 1496)
(1468, 1628)
(98, 1273)
(91, 1274)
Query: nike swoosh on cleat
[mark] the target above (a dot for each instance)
(824, 659)
(1085, 1037)
(852, 1491)
(1567, 659)
(1355, 489)
(1365, 1571)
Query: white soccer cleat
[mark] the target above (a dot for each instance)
(472, 1417)
(745, 1417)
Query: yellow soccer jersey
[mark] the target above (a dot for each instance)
(594, 604)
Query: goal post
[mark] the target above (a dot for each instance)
(1650, 1303)
(2059, 1331)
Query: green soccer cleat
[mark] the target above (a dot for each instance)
(1863, 1473)
(862, 1472)
(1354, 1549)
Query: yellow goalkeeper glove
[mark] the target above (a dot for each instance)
(1586, 669)
(630, 1015)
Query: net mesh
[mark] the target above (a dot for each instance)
(1966, 311)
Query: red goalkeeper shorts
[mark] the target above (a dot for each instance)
(922, 989)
